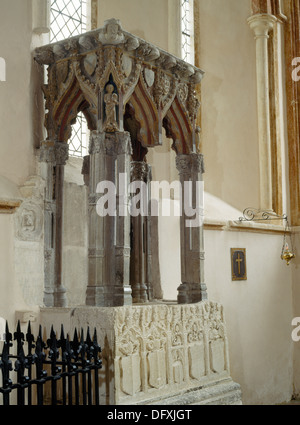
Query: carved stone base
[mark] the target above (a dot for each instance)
(157, 353)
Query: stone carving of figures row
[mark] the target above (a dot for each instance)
(161, 345)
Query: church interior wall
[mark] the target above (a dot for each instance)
(228, 97)
(258, 310)
(17, 159)
(296, 311)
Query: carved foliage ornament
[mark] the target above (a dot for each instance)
(54, 152)
(110, 144)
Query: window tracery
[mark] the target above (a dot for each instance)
(187, 30)
(69, 18)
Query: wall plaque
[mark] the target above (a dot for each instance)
(238, 264)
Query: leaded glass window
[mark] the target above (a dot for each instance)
(187, 30)
(79, 138)
(68, 19)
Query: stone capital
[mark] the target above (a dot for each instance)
(261, 24)
(54, 152)
(183, 164)
(61, 153)
(188, 164)
(117, 143)
(197, 162)
(139, 171)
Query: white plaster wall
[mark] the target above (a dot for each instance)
(228, 99)
(20, 289)
(146, 19)
(16, 135)
(258, 312)
(11, 295)
(169, 249)
(296, 309)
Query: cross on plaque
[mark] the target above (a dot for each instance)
(239, 260)
(238, 264)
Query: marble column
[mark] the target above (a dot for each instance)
(53, 157)
(262, 24)
(192, 289)
(109, 237)
(140, 262)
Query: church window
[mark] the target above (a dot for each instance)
(68, 18)
(187, 30)
(78, 140)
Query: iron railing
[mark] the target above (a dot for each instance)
(58, 371)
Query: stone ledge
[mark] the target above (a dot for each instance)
(225, 392)
(242, 226)
(8, 207)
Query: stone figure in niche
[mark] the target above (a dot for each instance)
(111, 101)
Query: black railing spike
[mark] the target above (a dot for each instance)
(8, 335)
(62, 333)
(52, 333)
(95, 336)
(75, 338)
(74, 363)
(62, 340)
(88, 337)
(19, 335)
(29, 338)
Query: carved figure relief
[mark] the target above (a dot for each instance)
(112, 32)
(111, 101)
(158, 346)
(29, 222)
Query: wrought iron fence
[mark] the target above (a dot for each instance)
(58, 371)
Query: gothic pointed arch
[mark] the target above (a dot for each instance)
(132, 125)
(147, 115)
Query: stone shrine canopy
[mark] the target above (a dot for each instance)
(102, 71)
(129, 90)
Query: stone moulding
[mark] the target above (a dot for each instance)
(160, 353)
(9, 207)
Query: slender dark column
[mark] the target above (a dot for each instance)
(192, 288)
